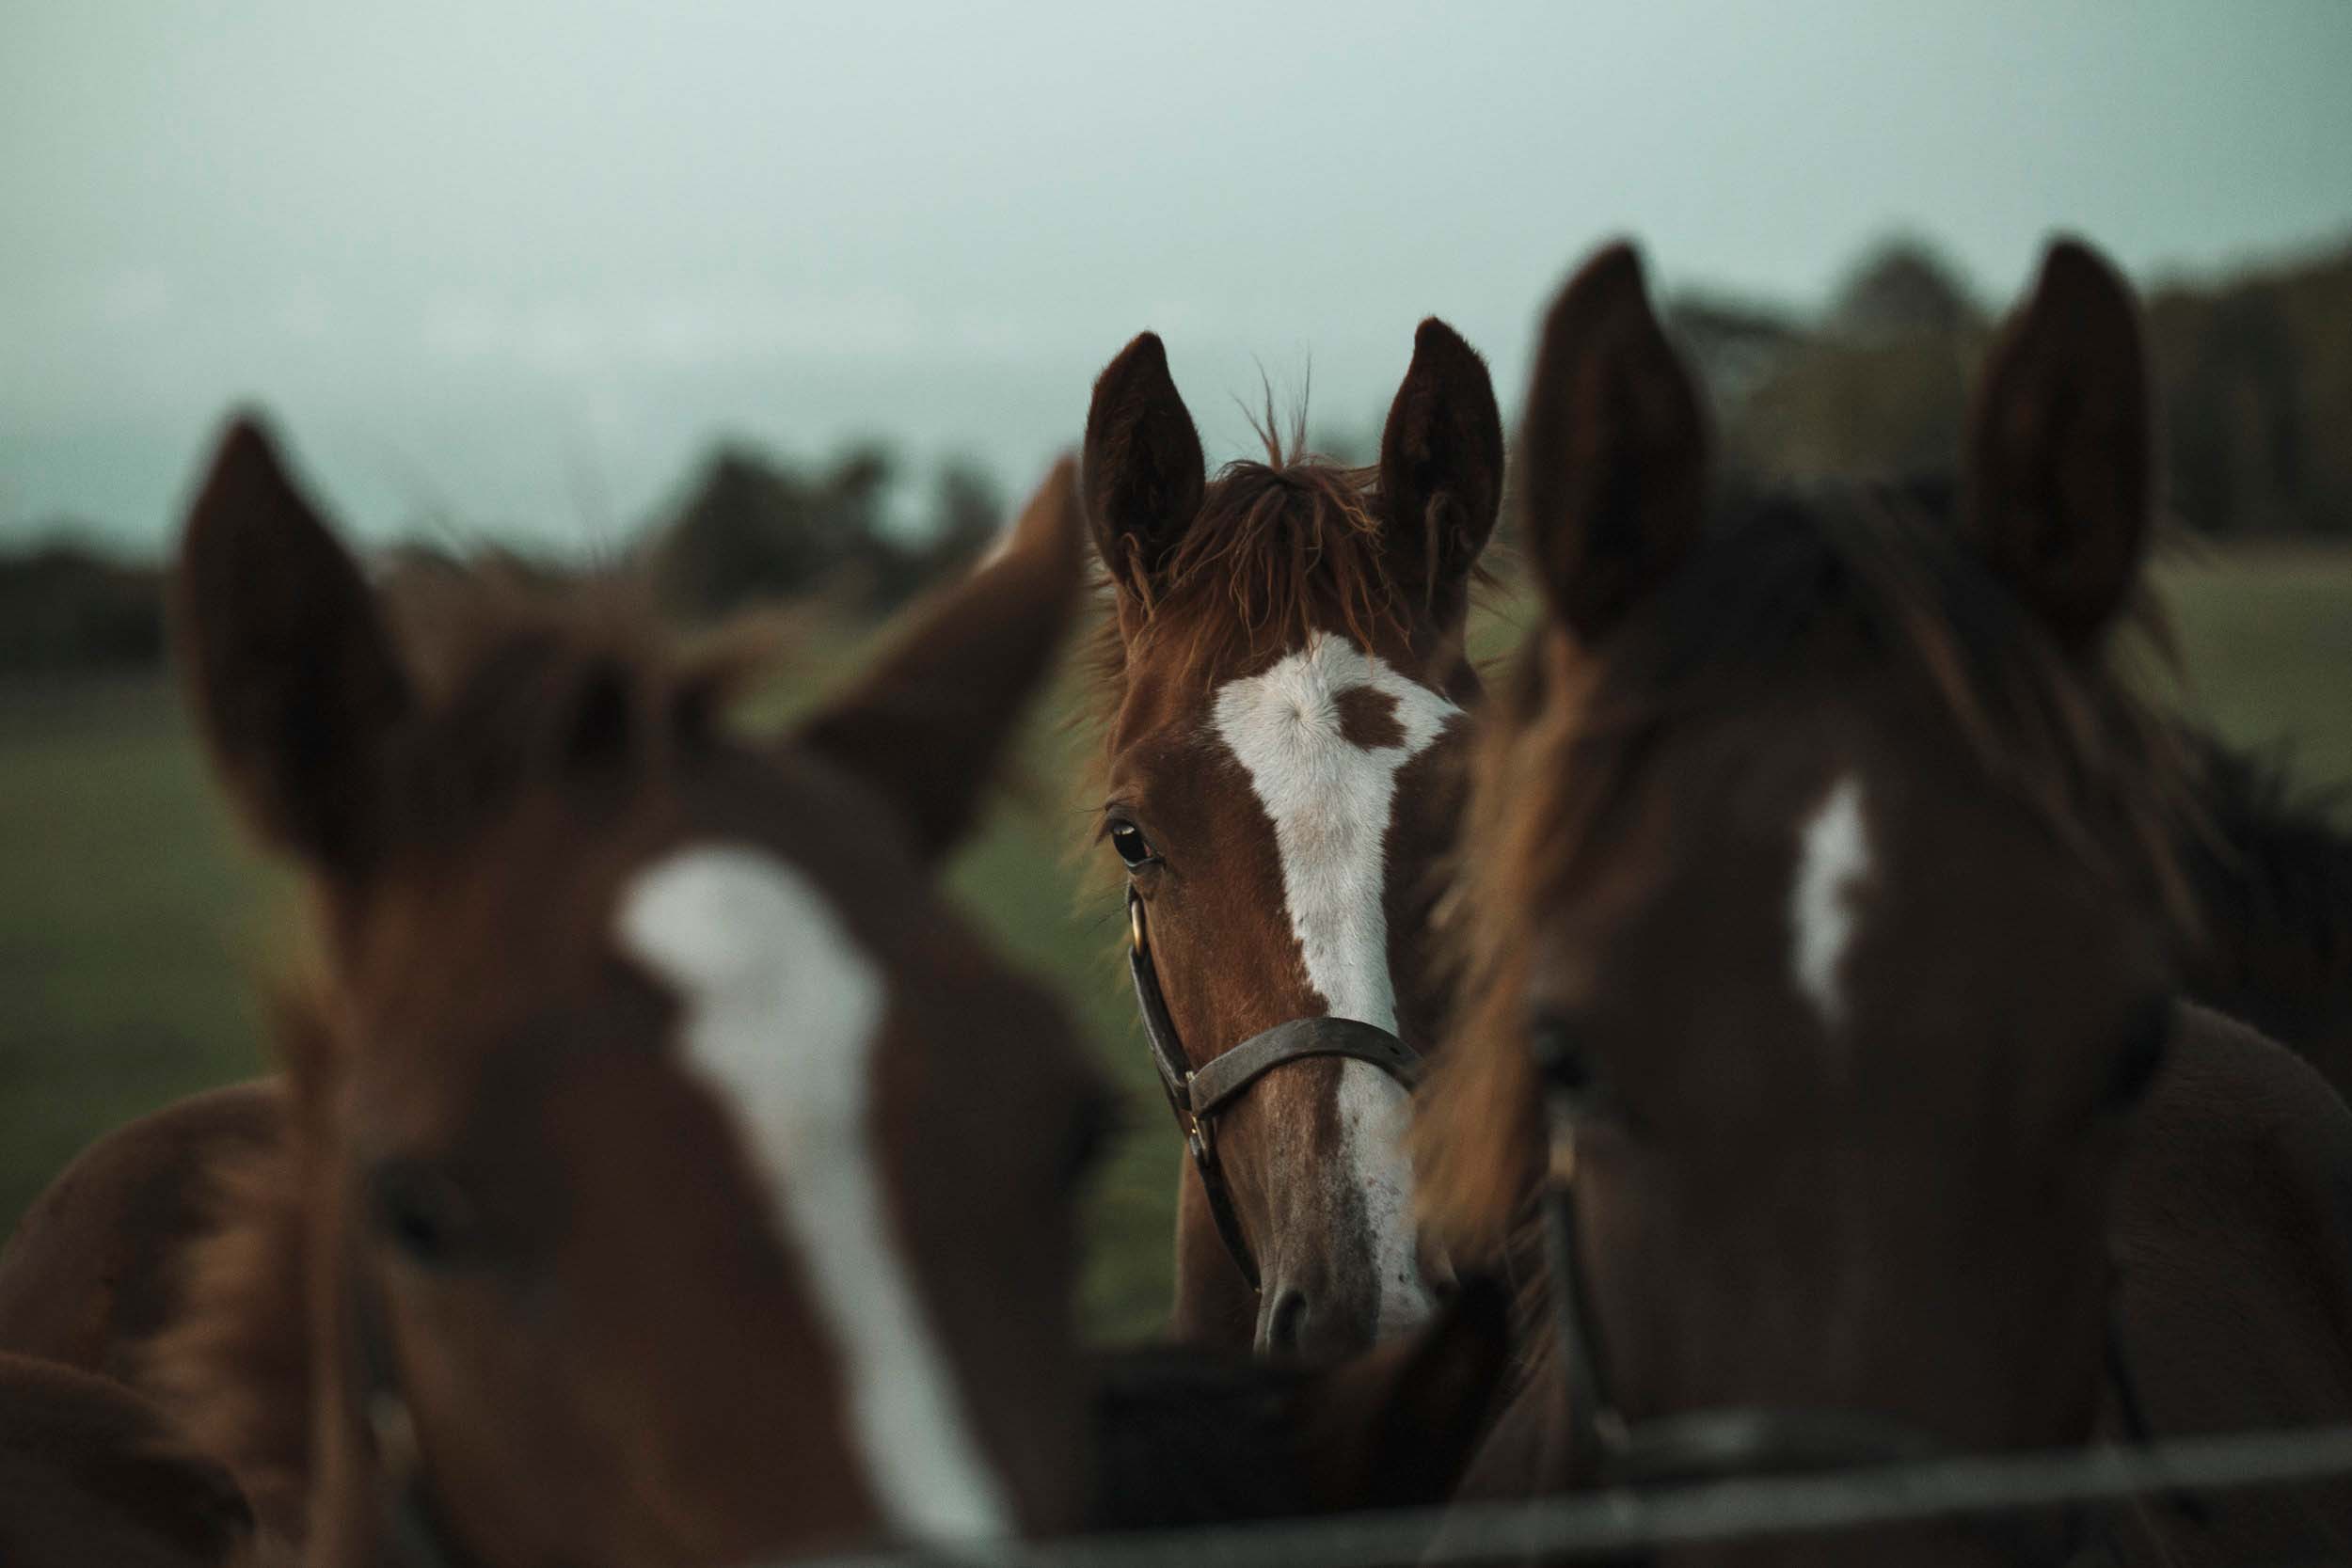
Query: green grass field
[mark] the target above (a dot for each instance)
(132, 925)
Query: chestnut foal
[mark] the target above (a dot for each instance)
(1822, 927)
(1282, 680)
(644, 1192)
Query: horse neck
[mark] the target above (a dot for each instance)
(2274, 882)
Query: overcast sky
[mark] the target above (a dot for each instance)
(516, 265)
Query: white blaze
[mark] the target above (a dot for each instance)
(781, 1012)
(1330, 801)
(1832, 862)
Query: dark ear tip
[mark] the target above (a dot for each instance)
(1440, 351)
(2075, 275)
(1608, 287)
(1434, 337)
(2071, 254)
(246, 477)
(245, 450)
(1612, 270)
(1144, 355)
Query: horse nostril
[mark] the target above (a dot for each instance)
(1282, 1330)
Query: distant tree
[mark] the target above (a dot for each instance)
(68, 606)
(2236, 435)
(967, 515)
(754, 529)
(1840, 408)
(1733, 344)
(743, 533)
(1904, 288)
(1881, 388)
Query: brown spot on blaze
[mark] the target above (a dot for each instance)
(1368, 717)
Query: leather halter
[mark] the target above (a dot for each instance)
(1196, 1095)
(1607, 1446)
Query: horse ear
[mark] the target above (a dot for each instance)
(925, 726)
(1613, 449)
(1441, 462)
(1144, 469)
(295, 680)
(1396, 1427)
(2058, 484)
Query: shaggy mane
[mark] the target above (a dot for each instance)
(235, 1367)
(525, 682)
(2273, 872)
(1280, 547)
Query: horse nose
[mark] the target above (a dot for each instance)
(1282, 1322)
(1312, 1318)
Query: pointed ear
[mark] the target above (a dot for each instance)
(295, 681)
(924, 727)
(1396, 1426)
(1612, 451)
(2058, 484)
(1144, 470)
(1441, 463)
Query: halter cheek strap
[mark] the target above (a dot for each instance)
(1604, 1445)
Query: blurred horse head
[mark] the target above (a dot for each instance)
(669, 1176)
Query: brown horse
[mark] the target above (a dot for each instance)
(92, 1271)
(1819, 926)
(92, 1474)
(1282, 679)
(667, 1175)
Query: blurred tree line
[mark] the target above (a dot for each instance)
(2255, 379)
(64, 605)
(2254, 382)
(750, 527)
(754, 527)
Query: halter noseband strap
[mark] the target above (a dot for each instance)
(1197, 1096)
(1605, 1445)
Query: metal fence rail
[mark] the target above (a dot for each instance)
(1603, 1522)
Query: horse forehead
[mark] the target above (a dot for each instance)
(1836, 863)
(739, 931)
(1298, 710)
(783, 1020)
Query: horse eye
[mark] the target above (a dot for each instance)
(2142, 1057)
(1561, 1057)
(424, 1213)
(1572, 1076)
(1132, 846)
